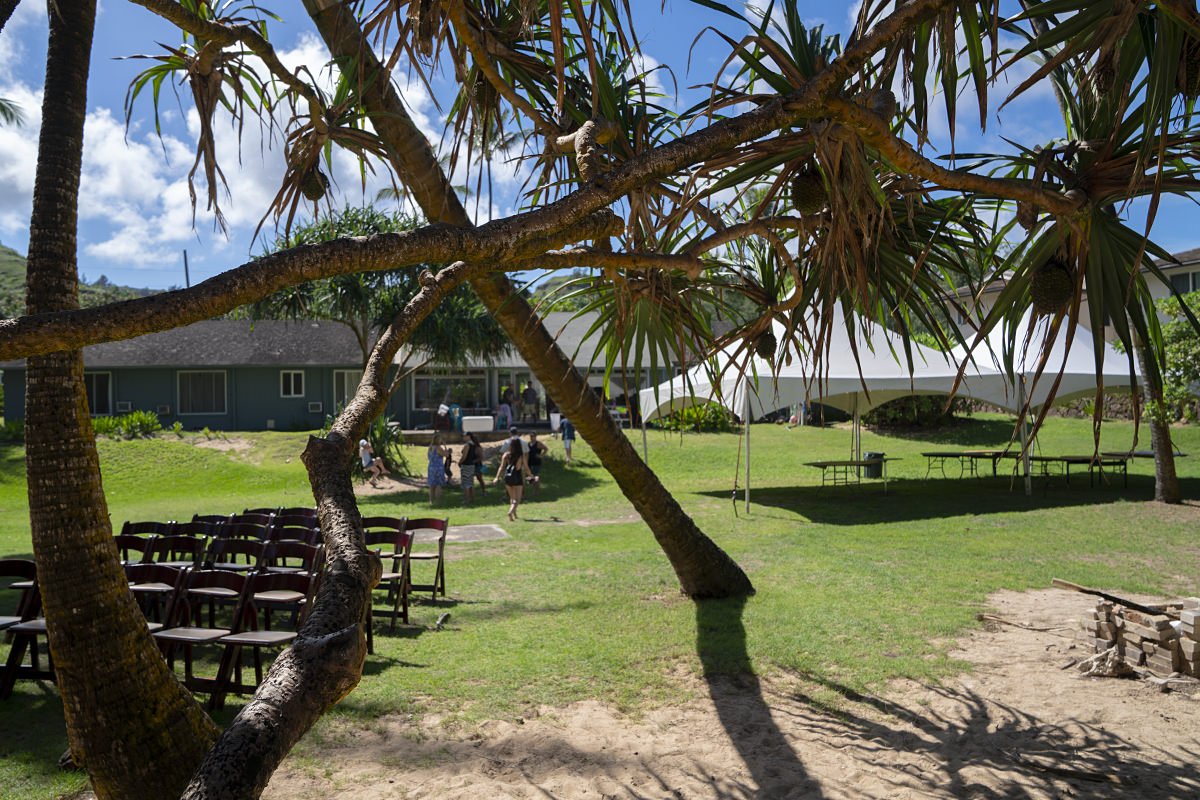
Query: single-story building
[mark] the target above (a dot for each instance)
(238, 375)
(1183, 277)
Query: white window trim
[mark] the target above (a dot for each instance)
(179, 393)
(339, 380)
(109, 398)
(293, 372)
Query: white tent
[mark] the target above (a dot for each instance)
(1077, 363)
(832, 377)
(880, 374)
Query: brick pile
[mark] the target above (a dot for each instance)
(1163, 643)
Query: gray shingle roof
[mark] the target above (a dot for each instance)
(227, 343)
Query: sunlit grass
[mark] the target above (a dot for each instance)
(854, 587)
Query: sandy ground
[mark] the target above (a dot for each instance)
(1022, 724)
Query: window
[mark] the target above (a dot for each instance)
(201, 392)
(291, 383)
(98, 386)
(467, 390)
(1184, 282)
(345, 384)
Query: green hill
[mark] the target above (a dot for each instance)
(12, 287)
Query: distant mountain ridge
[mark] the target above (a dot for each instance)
(12, 287)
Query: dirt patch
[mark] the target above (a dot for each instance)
(1022, 724)
(227, 444)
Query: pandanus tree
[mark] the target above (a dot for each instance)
(802, 181)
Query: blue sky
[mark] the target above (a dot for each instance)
(135, 213)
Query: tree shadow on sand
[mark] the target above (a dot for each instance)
(958, 744)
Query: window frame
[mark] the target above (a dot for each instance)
(285, 384)
(479, 375)
(90, 377)
(179, 392)
(339, 381)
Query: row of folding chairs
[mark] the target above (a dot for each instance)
(243, 555)
(225, 610)
(394, 540)
(247, 525)
(245, 609)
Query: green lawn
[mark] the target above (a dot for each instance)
(854, 587)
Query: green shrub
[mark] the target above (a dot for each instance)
(13, 431)
(708, 418)
(106, 426)
(127, 426)
(918, 411)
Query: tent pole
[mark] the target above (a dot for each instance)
(746, 423)
(857, 438)
(1024, 435)
(642, 417)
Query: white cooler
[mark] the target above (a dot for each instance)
(477, 424)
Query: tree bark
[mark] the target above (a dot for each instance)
(129, 721)
(1166, 481)
(325, 662)
(704, 570)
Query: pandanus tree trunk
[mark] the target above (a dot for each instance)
(703, 568)
(1166, 481)
(129, 721)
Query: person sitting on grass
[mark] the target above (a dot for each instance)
(514, 467)
(373, 467)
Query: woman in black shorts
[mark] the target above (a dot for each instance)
(513, 468)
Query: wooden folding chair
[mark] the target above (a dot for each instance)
(427, 531)
(390, 544)
(23, 628)
(186, 632)
(156, 588)
(177, 550)
(133, 548)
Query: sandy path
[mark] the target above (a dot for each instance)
(1019, 726)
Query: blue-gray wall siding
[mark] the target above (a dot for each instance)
(252, 397)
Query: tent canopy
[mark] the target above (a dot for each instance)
(881, 373)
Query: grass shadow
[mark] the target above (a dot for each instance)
(908, 500)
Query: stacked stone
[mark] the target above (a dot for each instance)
(1104, 626)
(1189, 641)
(1160, 643)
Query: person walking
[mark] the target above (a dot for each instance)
(436, 475)
(536, 449)
(469, 464)
(567, 431)
(373, 467)
(513, 468)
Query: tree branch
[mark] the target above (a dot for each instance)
(497, 243)
(226, 35)
(475, 43)
(587, 257)
(875, 131)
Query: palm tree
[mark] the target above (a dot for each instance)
(847, 208)
(97, 633)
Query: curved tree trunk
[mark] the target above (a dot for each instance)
(704, 570)
(325, 662)
(129, 721)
